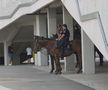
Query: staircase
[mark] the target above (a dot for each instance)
(9, 8)
(89, 16)
(13, 9)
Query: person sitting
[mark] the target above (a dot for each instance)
(63, 39)
(77, 32)
(58, 32)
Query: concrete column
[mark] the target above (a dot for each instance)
(35, 33)
(52, 23)
(51, 18)
(40, 30)
(6, 56)
(88, 64)
(67, 19)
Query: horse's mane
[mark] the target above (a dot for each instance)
(42, 38)
(45, 42)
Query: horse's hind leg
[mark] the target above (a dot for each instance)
(52, 64)
(77, 62)
(80, 63)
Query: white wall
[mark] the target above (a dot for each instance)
(101, 6)
(87, 6)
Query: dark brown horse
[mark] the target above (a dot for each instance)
(50, 45)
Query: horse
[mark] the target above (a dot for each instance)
(51, 46)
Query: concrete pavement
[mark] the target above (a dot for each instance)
(30, 78)
(98, 81)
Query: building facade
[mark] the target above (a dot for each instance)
(20, 20)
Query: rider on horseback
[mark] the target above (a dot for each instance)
(63, 39)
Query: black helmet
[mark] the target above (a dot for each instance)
(65, 25)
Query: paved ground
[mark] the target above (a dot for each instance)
(30, 78)
(98, 81)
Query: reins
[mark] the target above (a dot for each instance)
(44, 53)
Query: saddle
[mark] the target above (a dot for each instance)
(65, 49)
(68, 47)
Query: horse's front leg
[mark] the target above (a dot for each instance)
(52, 64)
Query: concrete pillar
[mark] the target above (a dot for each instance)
(88, 64)
(67, 19)
(52, 23)
(40, 30)
(51, 18)
(6, 56)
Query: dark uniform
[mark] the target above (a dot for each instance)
(66, 37)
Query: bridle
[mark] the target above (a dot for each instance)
(36, 44)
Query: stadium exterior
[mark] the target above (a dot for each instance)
(20, 20)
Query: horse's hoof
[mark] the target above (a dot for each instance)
(59, 72)
(100, 64)
(76, 69)
(76, 66)
(51, 72)
(56, 72)
(79, 71)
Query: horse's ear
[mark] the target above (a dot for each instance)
(42, 38)
(34, 37)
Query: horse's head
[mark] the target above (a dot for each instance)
(36, 44)
(41, 42)
(54, 36)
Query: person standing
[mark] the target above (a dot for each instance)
(29, 53)
(77, 32)
(10, 52)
